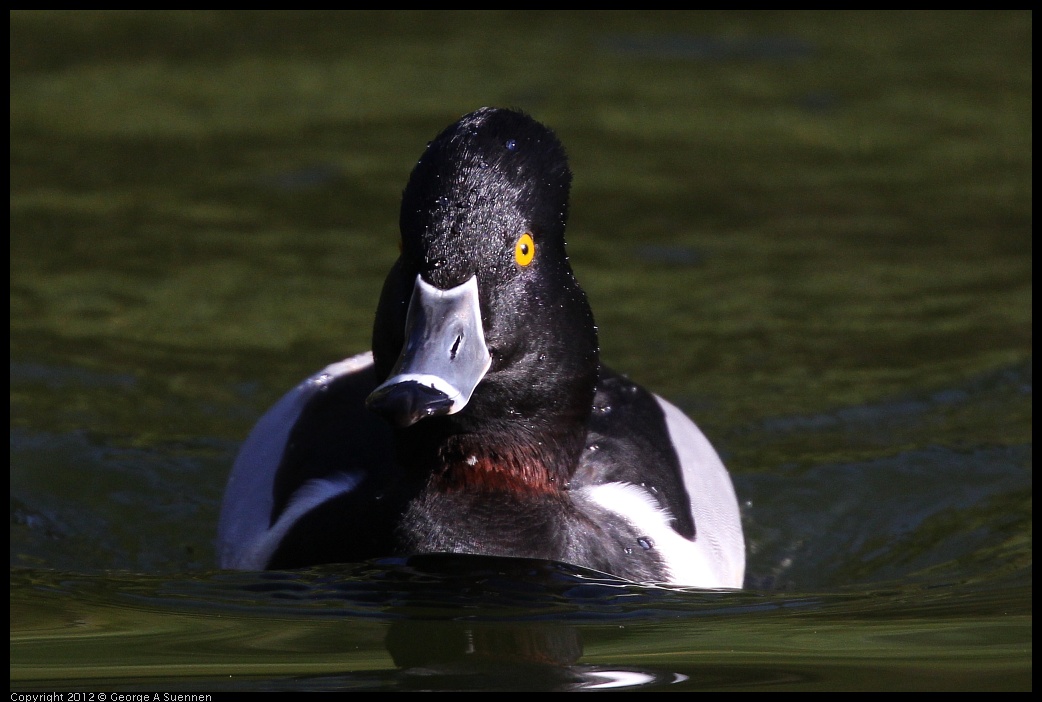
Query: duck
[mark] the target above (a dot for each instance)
(482, 421)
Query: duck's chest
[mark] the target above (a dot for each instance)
(555, 526)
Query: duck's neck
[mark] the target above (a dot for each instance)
(516, 460)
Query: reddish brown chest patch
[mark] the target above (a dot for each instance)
(517, 472)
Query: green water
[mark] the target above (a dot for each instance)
(811, 231)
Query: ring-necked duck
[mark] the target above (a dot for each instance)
(483, 421)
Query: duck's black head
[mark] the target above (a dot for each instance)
(483, 337)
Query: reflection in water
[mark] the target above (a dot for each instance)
(463, 647)
(501, 655)
(469, 622)
(423, 644)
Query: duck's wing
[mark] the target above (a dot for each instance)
(315, 444)
(650, 464)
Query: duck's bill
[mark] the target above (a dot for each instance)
(443, 359)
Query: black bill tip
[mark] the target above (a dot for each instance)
(408, 402)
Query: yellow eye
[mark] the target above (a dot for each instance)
(524, 252)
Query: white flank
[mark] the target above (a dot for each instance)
(248, 500)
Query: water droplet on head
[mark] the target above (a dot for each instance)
(645, 543)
